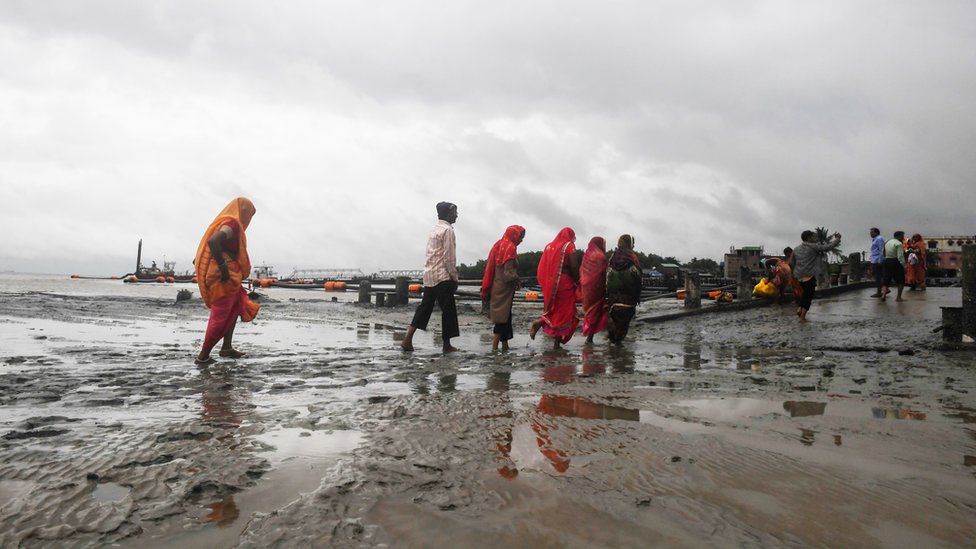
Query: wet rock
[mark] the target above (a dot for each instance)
(906, 352)
(644, 502)
(41, 433)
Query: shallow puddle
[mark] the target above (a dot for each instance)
(291, 443)
(110, 492)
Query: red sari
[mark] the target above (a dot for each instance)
(559, 320)
(505, 250)
(593, 283)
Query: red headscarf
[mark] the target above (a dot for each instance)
(551, 264)
(505, 250)
(593, 271)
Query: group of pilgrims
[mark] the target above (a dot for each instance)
(608, 285)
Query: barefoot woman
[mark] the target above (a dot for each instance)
(558, 275)
(221, 264)
(499, 283)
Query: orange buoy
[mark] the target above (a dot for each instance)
(75, 276)
(264, 282)
(681, 294)
(170, 280)
(415, 288)
(193, 280)
(161, 279)
(340, 286)
(330, 286)
(714, 294)
(131, 278)
(114, 277)
(532, 295)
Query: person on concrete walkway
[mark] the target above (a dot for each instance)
(440, 280)
(499, 283)
(558, 276)
(894, 265)
(877, 259)
(221, 263)
(915, 263)
(811, 262)
(624, 283)
(593, 287)
(780, 273)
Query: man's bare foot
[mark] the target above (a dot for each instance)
(203, 361)
(450, 348)
(406, 345)
(589, 340)
(504, 345)
(534, 329)
(232, 353)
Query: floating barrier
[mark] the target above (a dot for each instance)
(415, 288)
(531, 296)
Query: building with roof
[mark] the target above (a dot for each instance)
(749, 256)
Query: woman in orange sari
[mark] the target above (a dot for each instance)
(915, 268)
(593, 287)
(558, 275)
(221, 265)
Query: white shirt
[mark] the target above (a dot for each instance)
(441, 261)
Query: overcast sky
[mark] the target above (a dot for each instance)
(692, 125)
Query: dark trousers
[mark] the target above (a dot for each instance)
(877, 269)
(504, 330)
(808, 287)
(894, 272)
(443, 295)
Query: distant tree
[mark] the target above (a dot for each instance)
(703, 265)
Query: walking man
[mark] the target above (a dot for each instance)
(894, 265)
(877, 259)
(440, 280)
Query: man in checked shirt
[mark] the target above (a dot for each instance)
(440, 280)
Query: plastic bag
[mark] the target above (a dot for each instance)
(765, 289)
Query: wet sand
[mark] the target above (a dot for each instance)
(736, 429)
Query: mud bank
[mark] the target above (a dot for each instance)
(744, 428)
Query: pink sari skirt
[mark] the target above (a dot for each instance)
(223, 315)
(560, 321)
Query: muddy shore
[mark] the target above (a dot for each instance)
(743, 428)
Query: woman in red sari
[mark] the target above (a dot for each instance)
(558, 275)
(499, 283)
(221, 265)
(593, 286)
(915, 268)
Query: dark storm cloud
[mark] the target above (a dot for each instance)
(698, 124)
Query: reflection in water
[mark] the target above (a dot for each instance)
(447, 383)
(692, 350)
(362, 331)
(593, 363)
(621, 359)
(807, 437)
(898, 413)
(223, 403)
(223, 512)
(559, 373)
(501, 382)
(804, 408)
(564, 406)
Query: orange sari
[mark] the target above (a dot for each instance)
(226, 299)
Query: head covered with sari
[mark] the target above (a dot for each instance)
(505, 250)
(240, 210)
(624, 256)
(554, 256)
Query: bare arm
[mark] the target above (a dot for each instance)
(217, 250)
